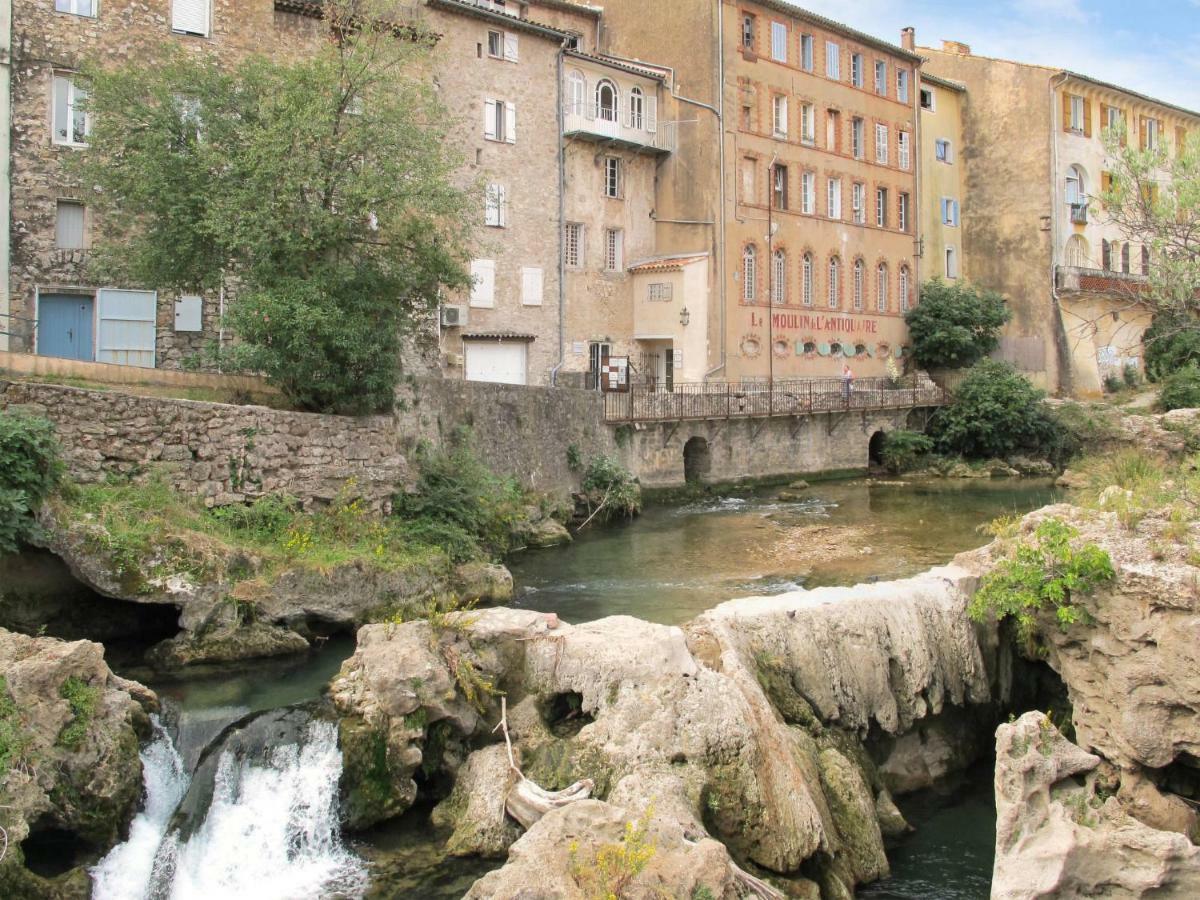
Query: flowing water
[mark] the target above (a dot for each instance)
(241, 783)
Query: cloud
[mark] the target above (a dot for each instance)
(1051, 11)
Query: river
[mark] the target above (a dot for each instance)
(275, 798)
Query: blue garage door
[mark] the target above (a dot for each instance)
(65, 326)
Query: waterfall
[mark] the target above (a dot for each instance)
(270, 831)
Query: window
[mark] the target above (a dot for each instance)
(637, 109)
(806, 52)
(747, 118)
(483, 283)
(1151, 129)
(859, 275)
(902, 85)
(779, 278)
(858, 138)
(606, 100)
(833, 198)
(943, 151)
(808, 123)
(881, 144)
(190, 17)
(806, 280)
(950, 212)
(499, 121)
(573, 245)
(69, 225)
(613, 246)
(1114, 119)
(779, 118)
(576, 93)
(1076, 189)
(1106, 255)
(856, 70)
(779, 41)
(833, 131)
(495, 206)
(76, 7)
(750, 273)
(748, 29)
(905, 287)
(660, 292)
(903, 212)
(1076, 113)
(833, 62)
(1125, 257)
(495, 44)
(858, 202)
(612, 176)
(808, 198)
(531, 286)
(881, 287)
(881, 77)
(881, 202)
(835, 284)
(951, 262)
(1077, 251)
(1145, 260)
(71, 122)
(779, 187)
(903, 155)
(928, 99)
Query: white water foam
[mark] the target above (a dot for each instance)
(270, 833)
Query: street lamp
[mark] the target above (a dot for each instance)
(684, 317)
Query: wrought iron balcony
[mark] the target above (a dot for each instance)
(589, 121)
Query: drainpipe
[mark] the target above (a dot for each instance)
(721, 267)
(1062, 344)
(6, 322)
(562, 219)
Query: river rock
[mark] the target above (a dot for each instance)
(547, 533)
(72, 773)
(475, 807)
(1033, 468)
(1059, 835)
(481, 581)
(1071, 480)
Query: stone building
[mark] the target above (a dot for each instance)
(1035, 229)
(943, 180)
(796, 167)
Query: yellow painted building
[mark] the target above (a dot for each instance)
(943, 180)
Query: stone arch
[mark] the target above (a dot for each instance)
(697, 460)
(875, 447)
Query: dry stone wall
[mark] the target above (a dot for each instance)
(226, 454)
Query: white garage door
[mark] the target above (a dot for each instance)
(503, 363)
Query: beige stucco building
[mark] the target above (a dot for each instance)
(1035, 229)
(943, 180)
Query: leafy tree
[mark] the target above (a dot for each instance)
(320, 190)
(955, 325)
(996, 412)
(30, 470)
(1181, 390)
(1172, 343)
(904, 450)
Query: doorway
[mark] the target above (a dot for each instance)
(65, 324)
(697, 460)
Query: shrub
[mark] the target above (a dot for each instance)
(14, 739)
(610, 874)
(611, 488)
(903, 450)
(1047, 573)
(82, 698)
(1181, 390)
(30, 470)
(1172, 343)
(996, 412)
(1131, 375)
(955, 325)
(1112, 383)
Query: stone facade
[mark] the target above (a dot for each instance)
(225, 454)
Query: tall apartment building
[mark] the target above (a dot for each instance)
(943, 180)
(1036, 230)
(797, 169)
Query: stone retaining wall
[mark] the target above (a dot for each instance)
(223, 453)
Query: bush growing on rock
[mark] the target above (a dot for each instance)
(955, 325)
(903, 451)
(30, 470)
(1181, 390)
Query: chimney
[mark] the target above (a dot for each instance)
(956, 47)
(908, 38)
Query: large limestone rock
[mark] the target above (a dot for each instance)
(1060, 833)
(69, 770)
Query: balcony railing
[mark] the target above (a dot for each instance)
(1079, 213)
(592, 121)
(728, 399)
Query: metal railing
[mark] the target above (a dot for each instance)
(729, 399)
(589, 118)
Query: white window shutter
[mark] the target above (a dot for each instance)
(489, 119)
(483, 288)
(531, 286)
(502, 204)
(652, 114)
(510, 47)
(190, 16)
(510, 122)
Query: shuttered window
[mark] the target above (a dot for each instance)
(531, 286)
(573, 245)
(808, 193)
(496, 206)
(779, 41)
(69, 225)
(834, 198)
(190, 16)
(903, 154)
(613, 250)
(881, 144)
(499, 121)
(806, 52)
(76, 7)
(808, 123)
(833, 61)
(483, 286)
(858, 199)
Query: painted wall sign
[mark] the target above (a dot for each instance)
(816, 322)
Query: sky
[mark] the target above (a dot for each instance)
(1149, 46)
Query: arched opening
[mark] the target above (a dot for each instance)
(1078, 252)
(606, 100)
(697, 460)
(875, 448)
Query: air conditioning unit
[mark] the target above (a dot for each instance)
(454, 316)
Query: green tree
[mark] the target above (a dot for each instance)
(30, 470)
(1172, 342)
(955, 325)
(1181, 390)
(319, 190)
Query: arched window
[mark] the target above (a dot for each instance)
(637, 108)
(1106, 255)
(881, 288)
(905, 299)
(859, 276)
(1145, 260)
(835, 284)
(806, 280)
(1125, 257)
(606, 101)
(1078, 251)
(576, 93)
(1076, 186)
(750, 273)
(779, 278)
